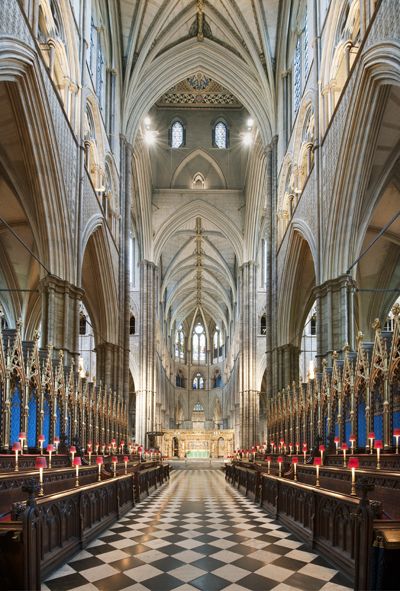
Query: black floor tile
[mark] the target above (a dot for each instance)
(163, 582)
(257, 583)
(167, 564)
(248, 563)
(208, 563)
(127, 563)
(113, 583)
(209, 582)
(66, 582)
(303, 582)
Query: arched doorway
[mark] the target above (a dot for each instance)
(221, 447)
(175, 447)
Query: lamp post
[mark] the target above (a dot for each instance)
(99, 462)
(371, 437)
(280, 461)
(297, 448)
(50, 449)
(317, 464)
(126, 460)
(305, 451)
(16, 447)
(378, 447)
(295, 461)
(269, 464)
(40, 464)
(322, 450)
(77, 463)
(396, 435)
(290, 448)
(352, 440)
(353, 465)
(121, 444)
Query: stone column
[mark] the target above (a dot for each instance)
(146, 394)
(249, 397)
(60, 315)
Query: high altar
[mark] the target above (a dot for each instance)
(197, 443)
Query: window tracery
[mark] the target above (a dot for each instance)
(177, 135)
(199, 344)
(220, 133)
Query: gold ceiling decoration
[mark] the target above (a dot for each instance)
(199, 91)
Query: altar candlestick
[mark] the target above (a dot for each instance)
(16, 447)
(345, 447)
(378, 447)
(50, 449)
(317, 463)
(126, 460)
(322, 449)
(40, 464)
(280, 461)
(396, 435)
(352, 440)
(295, 461)
(371, 437)
(77, 463)
(337, 441)
(99, 462)
(353, 465)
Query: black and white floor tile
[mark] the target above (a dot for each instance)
(196, 533)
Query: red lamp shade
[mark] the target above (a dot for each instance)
(50, 447)
(295, 460)
(290, 444)
(272, 442)
(99, 460)
(78, 461)
(345, 446)
(72, 449)
(317, 461)
(378, 444)
(126, 459)
(353, 463)
(322, 448)
(41, 438)
(122, 442)
(371, 435)
(16, 446)
(352, 438)
(89, 446)
(40, 462)
(56, 439)
(304, 446)
(297, 444)
(253, 449)
(22, 435)
(282, 441)
(396, 432)
(114, 459)
(113, 441)
(336, 440)
(269, 459)
(280, 459)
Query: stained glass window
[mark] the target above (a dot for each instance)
(221, 135)
(32, 409)
(297, 75)
(305, 46)
(179, 343)
(198, 382)
(199, 344)
(177, 135)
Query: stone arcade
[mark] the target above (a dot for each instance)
(199, 269)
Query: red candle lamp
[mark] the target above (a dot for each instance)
(89, 448)
(378, 446)
(50, 448)
(269, 464)
(352, 440)
(353, 465)
(396, 435)
(22, 438)
(16, 448)
(305, 452)
(56, 442)
(114, 461)
(371, 437)
(72, 451)
(126, 460)
(295, 461)
(99, 462)
(322, 451)
(41, 440)
(77, 463)
(345, 447)
(280, 461)
(317, 464)
(337, 441)
(40, 464)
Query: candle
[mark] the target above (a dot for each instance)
(41, 442)
(378, 447)
(126, 460)
(114, 460)
(40, 463)
(16, 447)
(371, 437)
(99, 462)
(396, 435)
(317, 463)
(297, 448)
(322, 449)
(113, 444)
(50, 449)
(345, 447)
(121, 444)
(72, 451)
(290, 448)
(280, 460)
(103, 449)
(90, 452)
(56, 442)
(295, 461)
(96, 448)
(269, 464)
(337, 441)
(353, 465)
(352, 440)
(272, 447)
(305, 451)
(77, 462)
(22, 437)
(282, 444)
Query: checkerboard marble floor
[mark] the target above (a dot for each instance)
(196, 533)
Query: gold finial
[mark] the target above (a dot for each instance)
(396, 309)
(376, 325)
(346, 347)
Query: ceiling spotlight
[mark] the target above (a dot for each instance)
(250, 123)
(247, 139)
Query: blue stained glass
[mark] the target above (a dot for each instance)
(46, 420)
(68, 429)
(347, 431)
(336, 430)
(58, 422)
(15, 415)
(396, 419)
(378, 426)
(32, 417)
(362, 427)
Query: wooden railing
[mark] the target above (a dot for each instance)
(339, 526)
(53, 528)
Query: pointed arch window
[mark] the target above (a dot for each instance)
(199, 344)
(220, 135)
(177, 135)
(180, 343)
(132, 325)
(218, 346)
(198, 382)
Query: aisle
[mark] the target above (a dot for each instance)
(197, 533)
